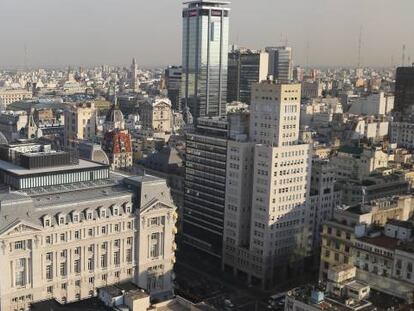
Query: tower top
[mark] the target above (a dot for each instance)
(195, 3)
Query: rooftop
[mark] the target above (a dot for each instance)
(382, 241)
(21, 171)
(400, 223)
(91, 304)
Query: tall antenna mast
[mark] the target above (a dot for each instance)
(307, 55)
(25, 57)
(403, 56)
(359, 46)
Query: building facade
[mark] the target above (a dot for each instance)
(156, 115)
(173, 84)
(80, 123)
(404, 91)
(245, 67)
(65, 238)
(278, 230)
(280, 63)
(10, 96)
(205, 186)
(204, 57)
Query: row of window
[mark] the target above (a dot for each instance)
(88, 214)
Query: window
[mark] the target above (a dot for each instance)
(116, 228)
(77, 266)
(63, 271)
(77, 283)
(62, 237)
(90, 232)
(20, 273)
(49, 272)
(104, 263)
(64, 286)
(103, 230)
(90, 264)
(129, 241)
(77, 234)
(115, 211)
(91, 280)
(46, 222)
(104, 277)
(61, 220)
(19, 245)
(117, 274)
(129, 255)
(77, 250)
(89, 215)
(48, 239)
(49, 256)
(116, 258)
(75, 217)
(50, 289)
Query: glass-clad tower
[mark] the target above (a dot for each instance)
(204, 52)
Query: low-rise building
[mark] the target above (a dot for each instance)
(343, 292)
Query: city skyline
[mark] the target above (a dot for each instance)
(85, 34)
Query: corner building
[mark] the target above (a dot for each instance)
(68, 229)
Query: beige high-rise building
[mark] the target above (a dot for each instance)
(67, 229)
(279, 178)
(80, 123)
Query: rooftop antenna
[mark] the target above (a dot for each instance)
(403, 56)
(359, 46)
(392, 61)
(286, 40)
(25, 57)
(281, 37)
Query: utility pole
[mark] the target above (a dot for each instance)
(403, 56)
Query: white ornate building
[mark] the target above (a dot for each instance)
(65, 240)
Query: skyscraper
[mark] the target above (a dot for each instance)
(266, 233)
(205, 179)
(173, 85)
(204, 57)
(245, 67)
(404, 90)
(280, 63)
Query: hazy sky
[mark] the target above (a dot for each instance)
(89, 32)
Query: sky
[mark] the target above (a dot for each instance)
(57, 33)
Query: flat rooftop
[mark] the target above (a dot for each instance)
(21, 171)
(91, 304)
(382, 241)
